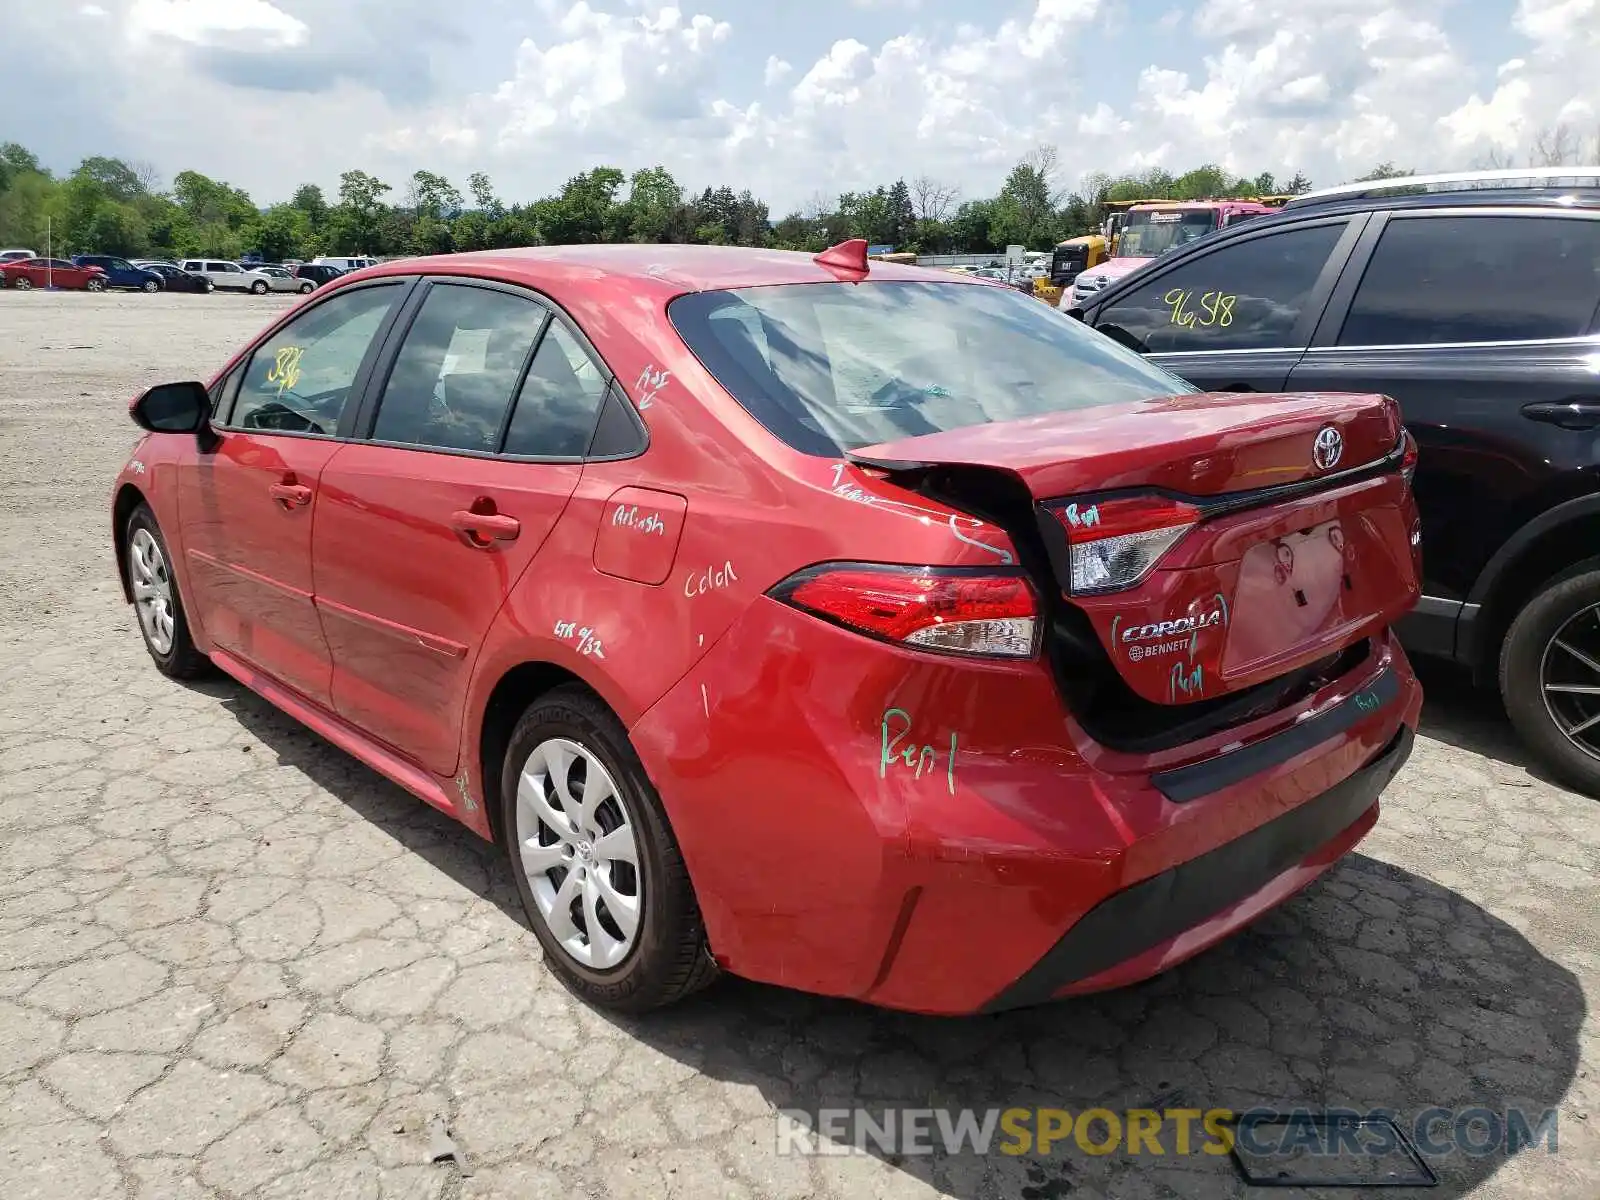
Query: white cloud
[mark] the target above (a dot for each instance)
(777, 70)
(536, 92)
(254, 23)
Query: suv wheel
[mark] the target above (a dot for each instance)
(259, 288)
(307, 288)
(1550, 675)
(210, 286)
(595, 862)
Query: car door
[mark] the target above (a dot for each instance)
(1475, 321)
(1236, 317)
(248, 500)
(477, 438)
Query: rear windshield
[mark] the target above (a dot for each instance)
(833, 367)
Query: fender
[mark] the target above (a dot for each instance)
(1495, 572)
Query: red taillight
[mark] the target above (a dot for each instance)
(1408, 455)
(1115, 543)
(929, 608)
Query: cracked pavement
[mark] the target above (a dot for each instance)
(234, 962)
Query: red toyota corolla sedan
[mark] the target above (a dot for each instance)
(843, 625)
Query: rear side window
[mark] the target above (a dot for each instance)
(559, 401)
(1247, 296)
(1435, 280)
(831, 367)
(454, 377)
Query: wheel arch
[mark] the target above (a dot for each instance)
(517, 688)
(127, 499)
(1550, 545)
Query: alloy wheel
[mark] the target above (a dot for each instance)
(578, 850)
(152, 590)
(1569, 680)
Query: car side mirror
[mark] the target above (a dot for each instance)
(173, 408)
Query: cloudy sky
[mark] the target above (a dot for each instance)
(791, 98)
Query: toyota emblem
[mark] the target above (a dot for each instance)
(1328, 448)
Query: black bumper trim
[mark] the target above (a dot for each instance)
(1182, 784)
(1159, 908)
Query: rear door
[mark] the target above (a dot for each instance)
(247, 502)
(477, 437)
(1238, 317)
(1476, 322)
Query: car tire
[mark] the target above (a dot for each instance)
(157, 602)
(570, 732)
(151, 286)
(1534, 670)
(95, 285)
(307, 288)
(23, 284)
(210, 287)
(259, 288)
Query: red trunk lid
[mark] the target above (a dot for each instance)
(1261, 584)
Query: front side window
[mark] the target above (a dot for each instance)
(1250, 295)
(832, 367)
(1435, 280)
(559, 401)
(454, 377)
(300, 379)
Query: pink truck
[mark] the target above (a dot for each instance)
(1148, 231)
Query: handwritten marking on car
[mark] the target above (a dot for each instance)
(650, 383)
(1185, 680)
(919, 760)
(1005, 555)
(852, 492)
(285, 369)
(466, 794)
(1216, 309)
(710, 580)
(1082, 520)
(650, 522)
(588, 644)
(705, 701)
(136, 467)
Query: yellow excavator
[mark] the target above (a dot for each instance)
(1067, 261)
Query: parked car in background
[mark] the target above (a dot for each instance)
(279, 279)
(1474, 300)
(317, 273)
(175, 279)
(26, 273)
(120, 273)
(345, 264)
(17, 255)
(228, 275)
(811, 580)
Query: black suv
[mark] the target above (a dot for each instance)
(1473, 300)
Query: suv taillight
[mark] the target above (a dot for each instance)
(1408, 455)
(954, 610)
(1113, 544)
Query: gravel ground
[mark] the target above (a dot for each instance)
(235, 962)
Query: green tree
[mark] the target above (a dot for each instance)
(356, 225)
(582, 213)
(654, 198)
(116, 179)
(1385, 170)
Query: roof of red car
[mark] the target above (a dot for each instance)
(676, 268)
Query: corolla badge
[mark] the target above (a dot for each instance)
(1328, 448)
